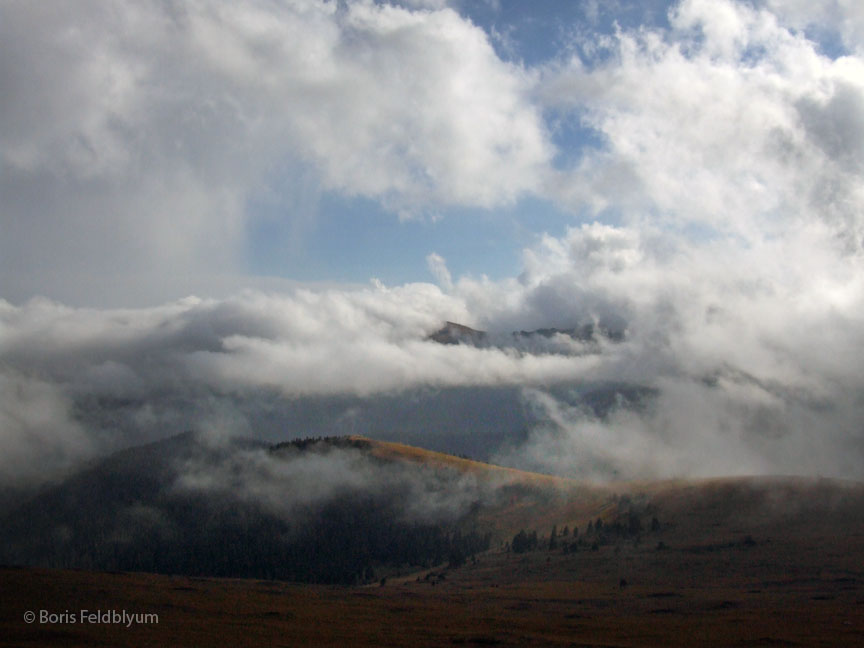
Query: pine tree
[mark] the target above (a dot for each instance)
(520, 543)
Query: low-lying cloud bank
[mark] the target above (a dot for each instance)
(76, 381)
(753, 366)
(286, 481)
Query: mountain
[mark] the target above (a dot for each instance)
(337, 510)
(329, 510)
(348, 509)
(769, 561)
(454, 333)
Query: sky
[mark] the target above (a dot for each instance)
(218, 198)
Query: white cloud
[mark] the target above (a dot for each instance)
(438, 267)
(831, 18)
(133, 136)
(752, 353)
(733, 159)
(733, 163)
(710, 123)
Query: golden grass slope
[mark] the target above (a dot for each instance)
(401, 452)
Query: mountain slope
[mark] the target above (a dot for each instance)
(350, 509)
(327, 511)
(730, 562)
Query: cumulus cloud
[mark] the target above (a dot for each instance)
(842, 20)
(710, 124)
(730, 172)
(134, 137)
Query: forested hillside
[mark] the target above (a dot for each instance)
(147, 509)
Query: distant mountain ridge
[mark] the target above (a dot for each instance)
(454, 333)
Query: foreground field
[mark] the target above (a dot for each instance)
(742, 563)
